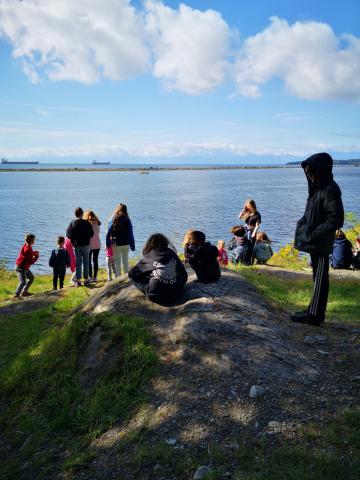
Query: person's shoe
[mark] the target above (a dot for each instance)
(16, 297)
(76, 283)
(299, 317)
(87, 281)
(26, 294)
(312, 320)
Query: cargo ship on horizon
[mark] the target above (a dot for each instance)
(95, 162)
(4, 161)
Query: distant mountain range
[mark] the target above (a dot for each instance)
(353, 161)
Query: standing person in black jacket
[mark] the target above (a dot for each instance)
(159, 273)
(79, 232)
(315, 231)
(59, 261)
(202, 256)
(120, 235)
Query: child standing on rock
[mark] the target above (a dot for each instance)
(27, 257)
(110, 262)
(59, 261)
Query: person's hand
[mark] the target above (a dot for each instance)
(36, 253)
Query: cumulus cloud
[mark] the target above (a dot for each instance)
(187, 49)
(307, 56)
(78, 40)
(190, 47)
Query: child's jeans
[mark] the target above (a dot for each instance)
(58, 274)
(26, 278)
(110, 265)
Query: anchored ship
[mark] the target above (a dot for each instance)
(95, 162)
(4, 161)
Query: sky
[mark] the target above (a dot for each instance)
(220, 81)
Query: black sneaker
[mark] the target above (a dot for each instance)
(312, 320)
(299, 317)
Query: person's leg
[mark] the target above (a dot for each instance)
(117, 257)
(78, 257)
(22, 281)
(90, 262)
(125, 258)
(62, 278)
(96, 262)
(113, 266)
(86, 262)
(319, 298)
(55, 278)
(108, 267)
(29, 280)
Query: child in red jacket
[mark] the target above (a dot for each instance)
(27, 256)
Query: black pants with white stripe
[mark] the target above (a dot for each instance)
(320, 266)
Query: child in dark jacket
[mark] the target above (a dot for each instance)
(240, 246)
(341, 256)
(159, 274)
(27, 257)
(262, 250)
(202, 257)
(59, 261)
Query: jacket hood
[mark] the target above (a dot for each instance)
(162, 256)
(321, 164)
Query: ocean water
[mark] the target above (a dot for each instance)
(170, 202)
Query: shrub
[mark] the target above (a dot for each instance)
(4, 272)
(288, 256)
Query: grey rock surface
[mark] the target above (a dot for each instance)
(202, 472)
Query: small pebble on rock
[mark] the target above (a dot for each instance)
(170, 441)
(315, 339)
(274, 424)
(256, 391)
(201, 472)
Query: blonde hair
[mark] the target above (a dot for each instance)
(262, 237)
(221, 244)
(340, 234)
(187, 237)
(246, 213)
(91, 217)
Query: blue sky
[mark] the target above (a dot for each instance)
(149, 82)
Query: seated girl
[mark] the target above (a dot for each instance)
(239, 246)
(159, 274)
(341, 256)
(356, 254)
(262, 251)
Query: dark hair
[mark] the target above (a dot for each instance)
(79, 212)
(30, 237)
(238, 231)
(262, 237)
(156, 241)
(60, 240)
(197, 236)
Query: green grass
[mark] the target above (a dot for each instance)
(40, 397)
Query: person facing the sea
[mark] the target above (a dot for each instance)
(59, 261)
(262, 250)
(159, 274)
(95, 245)
(120, 236)
(80, 232)
(341, 256)
(203, 258)
(27, 257)
(315, 231)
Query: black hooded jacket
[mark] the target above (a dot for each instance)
(204, 262)
(162, 274)
(324, 212)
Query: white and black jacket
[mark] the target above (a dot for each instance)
(161, 274)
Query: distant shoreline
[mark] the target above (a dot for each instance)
(144, 169)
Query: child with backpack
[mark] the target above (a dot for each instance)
(159, 274)
(27, 257)
(262, 250)
(59, 261)
(240, 246)
(202, 257)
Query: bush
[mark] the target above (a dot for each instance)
(4, 272)
(288, 256)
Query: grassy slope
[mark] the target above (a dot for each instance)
(38, 377)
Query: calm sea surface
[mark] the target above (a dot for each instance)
(164, 201)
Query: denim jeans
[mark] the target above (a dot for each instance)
(82, 260)
(121, 253)
(26, 278)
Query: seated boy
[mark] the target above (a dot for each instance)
(202, 257)
(240, 246)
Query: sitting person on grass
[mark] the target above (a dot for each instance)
(356, 254)
(262, 251)
(341, 257)
(202, 257)
(159, 274)
(240, 246)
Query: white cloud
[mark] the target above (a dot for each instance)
(82, 40)
(190, 47)
(307, 56)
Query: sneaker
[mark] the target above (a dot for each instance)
(26, 294)
(299, 317)
(75, 283)
(312, 320)
(87, 281)
(16, 297)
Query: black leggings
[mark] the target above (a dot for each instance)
(58, 275)
(94, 255)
